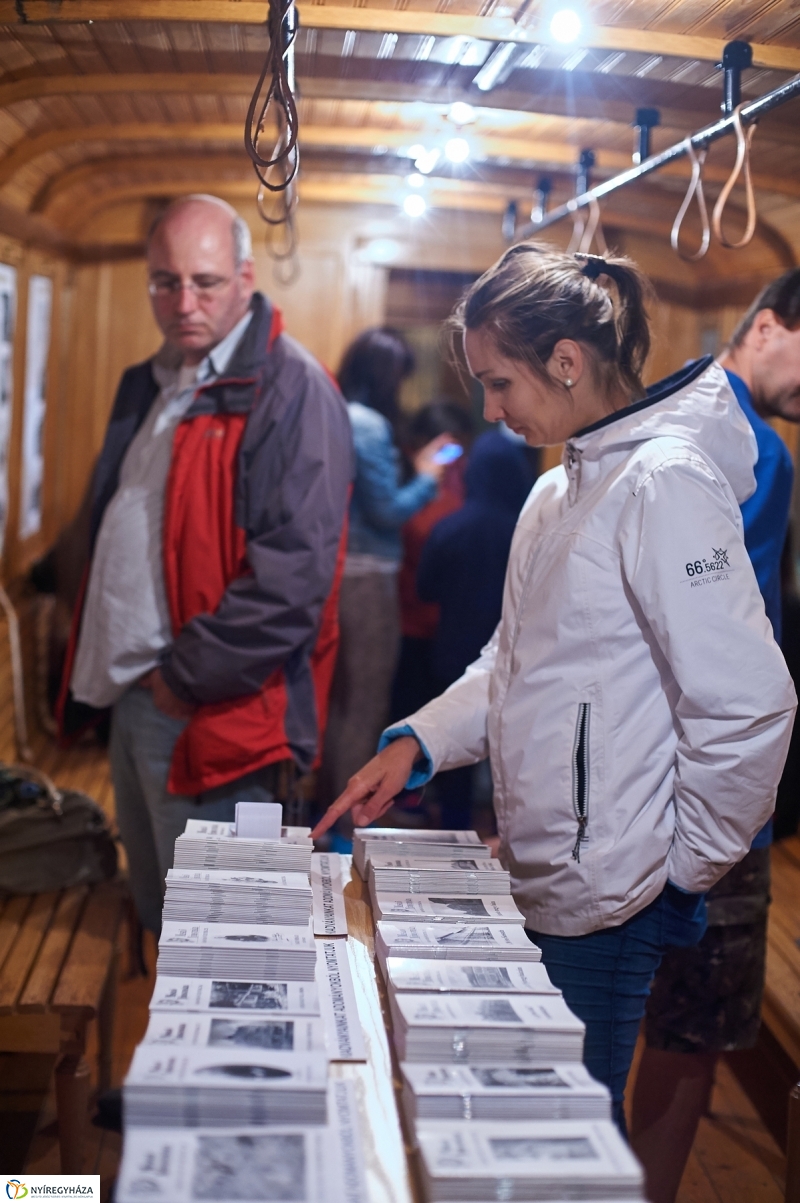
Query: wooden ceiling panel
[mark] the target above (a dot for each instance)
(654, 52)
(11, 130)
(19, 52)
(233, 108)
(82, 49)
(420, 18)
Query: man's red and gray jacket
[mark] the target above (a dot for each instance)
(254, 541)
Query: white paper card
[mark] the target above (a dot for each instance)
(330, 918)
(337, 1002)
(259, 820)
(222, 997)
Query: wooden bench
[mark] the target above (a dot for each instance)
(58, 969)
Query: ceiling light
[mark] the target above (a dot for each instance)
(425, 49)
(454, 48)
(383, 250)
(414, 205)
(387, 46)
(415, 180)
(565, 25)
(427, 160)
(461, 113)
(416, 151)
(497, 67)
(476, 54)
(457, 150)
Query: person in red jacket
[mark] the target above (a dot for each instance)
(208, 622)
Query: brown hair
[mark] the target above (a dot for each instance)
(535, 295)
(782, 296)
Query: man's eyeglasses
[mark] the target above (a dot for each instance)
(203, 287)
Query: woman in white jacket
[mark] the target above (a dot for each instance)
(634, 704)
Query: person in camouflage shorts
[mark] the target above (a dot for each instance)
(707, 999)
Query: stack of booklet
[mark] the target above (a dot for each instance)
(466, 875)
(413, 844)
(525, 1028)
(493, 1086)
(454, 942)
(184, 994)
(559, 1159)
(224, 1087)
(293, 1035)
(294, 1162)
(441, 909)
(216, 846)
(238, 896)
(501, 1092)
(466, 977)
(237, 951)
(228, 1096)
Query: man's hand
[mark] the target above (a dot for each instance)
(166, 701)
(372, 790)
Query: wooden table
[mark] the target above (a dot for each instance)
(58, 970)
(389, 1179)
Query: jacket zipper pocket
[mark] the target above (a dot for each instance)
(580, 775)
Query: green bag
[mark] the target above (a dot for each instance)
(50, 839)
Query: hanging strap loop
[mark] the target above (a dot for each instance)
(593, 231)
(578, 227)
(695, 188)
(743, 142)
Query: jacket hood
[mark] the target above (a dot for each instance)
(697, 405)
(497, 473)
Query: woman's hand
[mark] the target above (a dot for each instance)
(424, 462)
(372, 790)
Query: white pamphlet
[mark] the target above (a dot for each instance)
(338, 1002)
(327, 886)
(266, 1032)
(188, 994)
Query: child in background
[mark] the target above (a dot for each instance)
(413, 683)
(462, 570)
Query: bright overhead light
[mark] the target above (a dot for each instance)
(457, 150)
(427, 160)
(414, 204)
(415, 180)
(497, 67)
(383, 250)
(416, 151)
(565, 25)
(461, 113)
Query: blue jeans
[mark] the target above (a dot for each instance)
(149, 818)
(606, 976)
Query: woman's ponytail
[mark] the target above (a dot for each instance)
(536, 295)
(630, 319)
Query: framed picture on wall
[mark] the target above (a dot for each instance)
(37, 349)
(8, 307)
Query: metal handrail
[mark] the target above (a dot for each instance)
(748, 113)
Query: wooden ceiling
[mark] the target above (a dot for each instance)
(106, 101)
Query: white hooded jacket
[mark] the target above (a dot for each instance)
(634, 703)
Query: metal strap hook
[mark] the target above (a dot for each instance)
(593, 231)
(743, 142)
(695, 187)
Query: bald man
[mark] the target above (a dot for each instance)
(208, 623)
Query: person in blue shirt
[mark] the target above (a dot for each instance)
(372, 371)
(707, 999)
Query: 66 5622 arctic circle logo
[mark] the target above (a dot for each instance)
(717, 562)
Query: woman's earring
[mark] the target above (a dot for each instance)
(568, 382)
